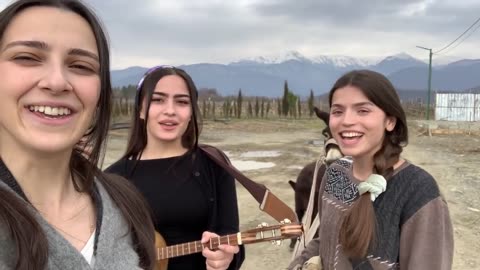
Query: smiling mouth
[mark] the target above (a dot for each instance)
(351, 135)
(49, 111)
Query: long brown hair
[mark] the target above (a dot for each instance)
(30, 240)
(138, 135)
(357, 233)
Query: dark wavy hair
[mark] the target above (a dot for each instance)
(30, 240)
(358, 229)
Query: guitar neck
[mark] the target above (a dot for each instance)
(197, 246)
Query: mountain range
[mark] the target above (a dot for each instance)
(265, 76)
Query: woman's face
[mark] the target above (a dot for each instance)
(50, 83)
(170, 111)
(357, 124)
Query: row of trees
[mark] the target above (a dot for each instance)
(213, 105)
(289, 105)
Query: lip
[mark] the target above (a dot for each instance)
(43, 120)
(168, 122)
(350, 131)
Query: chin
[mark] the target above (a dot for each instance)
(169, 139)
(50, 149)
(351, 152)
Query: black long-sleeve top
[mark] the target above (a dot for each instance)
(188, 195)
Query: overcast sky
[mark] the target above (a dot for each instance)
(151, 32)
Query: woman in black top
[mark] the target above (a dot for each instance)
(191, 196)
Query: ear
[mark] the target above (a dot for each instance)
(292, 184)
(325, 116)
(390, 123)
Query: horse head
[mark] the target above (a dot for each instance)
(332, 150)
(304, 181)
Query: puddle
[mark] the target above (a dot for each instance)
(315, 142)
(248, 165)
(257, 154)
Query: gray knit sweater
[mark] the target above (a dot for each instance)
(114, 248)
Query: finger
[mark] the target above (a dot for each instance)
(206, 236)
(210, 254)
(218, 255)
(229, 249)
(217, 265)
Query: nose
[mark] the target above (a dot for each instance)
(55, 79)
(169, 108)
(349, 118)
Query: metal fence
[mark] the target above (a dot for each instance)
(457, 107)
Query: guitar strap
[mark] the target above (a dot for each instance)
(269, 203)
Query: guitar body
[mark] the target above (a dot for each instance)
(160, 243)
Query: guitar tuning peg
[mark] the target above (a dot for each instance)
(286, 221)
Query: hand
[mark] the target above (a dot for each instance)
(219, 259)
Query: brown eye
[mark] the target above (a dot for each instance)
(26, 59)
(184, 102)
(336, 112)
(83, 68)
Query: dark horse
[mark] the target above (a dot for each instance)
(303, 184)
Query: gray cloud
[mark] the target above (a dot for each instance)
(220, 31)
(392, 15)
(149, 32)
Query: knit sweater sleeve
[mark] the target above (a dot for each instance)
(426, 240)
(310, 251)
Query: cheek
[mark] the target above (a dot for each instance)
(333, 125)
(90, 93)
(187, 114)
(15, 85)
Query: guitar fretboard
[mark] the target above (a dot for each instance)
(196, 246)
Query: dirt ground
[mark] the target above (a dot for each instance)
(454, 161)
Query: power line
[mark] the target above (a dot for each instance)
(468, 29)
(461, 41)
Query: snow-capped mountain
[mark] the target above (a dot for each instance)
(338, 61)
(274, 58)
(265, 75)
(343, 61)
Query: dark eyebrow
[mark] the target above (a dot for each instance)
(27, 43)
(82, 52)
(44, 46)
(360, 104)
(175, 96)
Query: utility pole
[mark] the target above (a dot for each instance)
(429, 78)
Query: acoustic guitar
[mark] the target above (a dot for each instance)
(262, 233)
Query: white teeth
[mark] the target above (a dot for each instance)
(51, 111)
(351, 134)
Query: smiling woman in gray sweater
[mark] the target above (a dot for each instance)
(377, 211)
(57, 209)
